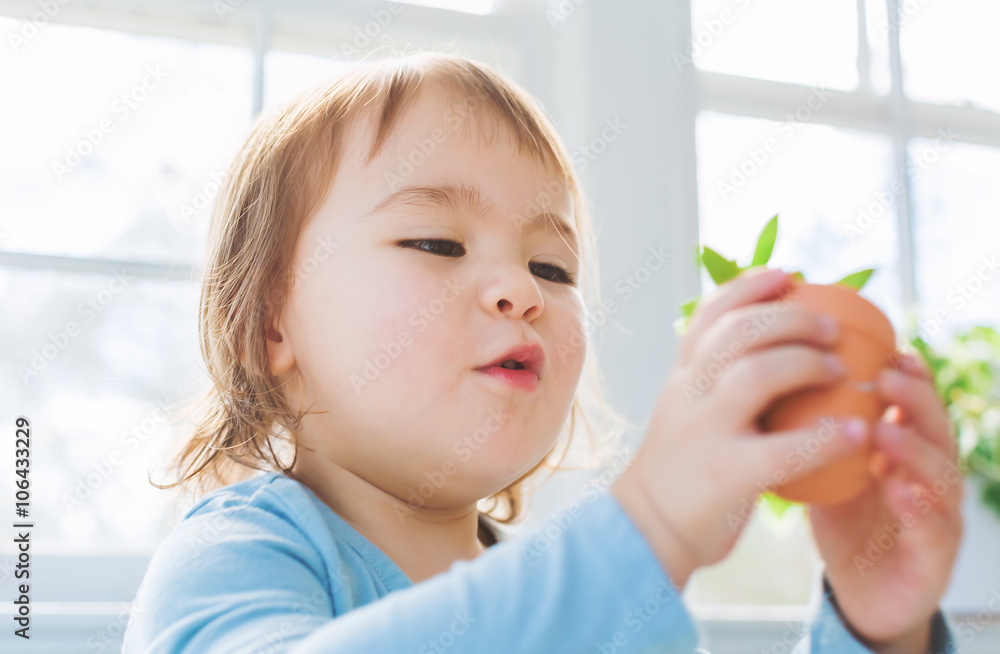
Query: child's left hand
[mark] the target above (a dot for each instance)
(888, 554)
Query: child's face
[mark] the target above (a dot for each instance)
(387, 340)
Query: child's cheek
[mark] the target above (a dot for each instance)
(408, 321)
(572, 333)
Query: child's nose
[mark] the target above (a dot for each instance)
(510, 290)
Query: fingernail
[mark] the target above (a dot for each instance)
(764, 271)
(854, 429)
(835, 365)
(890, 379)
(828, 327)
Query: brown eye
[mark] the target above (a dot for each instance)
(441, 247)
(553, 273)
(448, 248)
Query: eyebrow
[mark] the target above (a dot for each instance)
(463, 196)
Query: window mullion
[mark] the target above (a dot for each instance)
(262, 26)
(864, 52)
(901, 132)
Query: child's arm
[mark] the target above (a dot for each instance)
(827, 631)
(248, 578)
(889, 555)
(703, 462)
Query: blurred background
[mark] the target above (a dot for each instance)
(870, 126)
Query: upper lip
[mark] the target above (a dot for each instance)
(530, 355)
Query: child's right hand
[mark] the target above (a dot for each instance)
(703, 460)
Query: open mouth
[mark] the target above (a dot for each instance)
(513, 374)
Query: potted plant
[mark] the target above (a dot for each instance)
(867, 344)
(966, 371)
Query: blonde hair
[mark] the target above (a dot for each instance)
(276, 182)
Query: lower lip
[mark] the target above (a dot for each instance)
(524, 379)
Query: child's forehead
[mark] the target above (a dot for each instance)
(436, 118)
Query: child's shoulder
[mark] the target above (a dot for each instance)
(265, 521)
(268, 501)
(259, 490)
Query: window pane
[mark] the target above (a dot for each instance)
(774, 562)
(950, 51)
(830, 187)
(811, 43)
(113, 144)
(957, 235)
(832, 191)
(95, 361)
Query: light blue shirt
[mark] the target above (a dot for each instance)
(264, 566)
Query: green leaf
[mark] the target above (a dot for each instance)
(719, 268)
(776, 505)
(858, 279)
(687, 309)
(991, 496)
(765, 242)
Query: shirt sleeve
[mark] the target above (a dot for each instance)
(239, 579)
(827, 633)
(584, 580)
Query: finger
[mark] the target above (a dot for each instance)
(913, 365)
(922, 406)
(933, 531)
(753, 382)
(752, 286)
(756, 326)
(777, 457)
(925, 463)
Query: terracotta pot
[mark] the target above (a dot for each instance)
(867, 344)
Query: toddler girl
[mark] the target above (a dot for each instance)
(394, 299)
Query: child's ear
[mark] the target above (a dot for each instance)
(280, 357)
